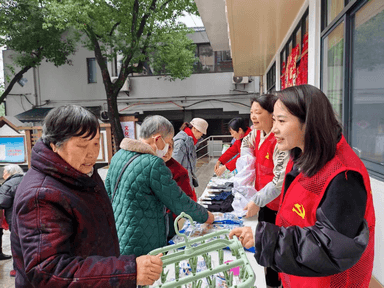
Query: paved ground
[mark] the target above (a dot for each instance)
(6, 265)
(204, 174)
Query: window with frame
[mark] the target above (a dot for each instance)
(212, 61)
(271, 79)
(92, 70)
(331, 8)
(367, 46)
(352, 74)
(223, 61)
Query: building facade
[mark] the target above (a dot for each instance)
(210, 92)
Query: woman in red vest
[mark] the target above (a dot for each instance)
(238, 128)
(270, 167)
(324, 231)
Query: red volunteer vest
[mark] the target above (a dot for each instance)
(298, 208)
(264, 165)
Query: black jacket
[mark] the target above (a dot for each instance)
(316, 251)
(7, 194)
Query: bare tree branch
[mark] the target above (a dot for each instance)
(134, 17)
(16, 78)
(113, 28)
(165, 4)
(145, 18)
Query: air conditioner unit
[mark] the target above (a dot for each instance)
(125, 86)
(239, 79)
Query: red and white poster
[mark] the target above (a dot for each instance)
(128, 129)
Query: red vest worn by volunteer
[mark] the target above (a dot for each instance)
(264, 165)
(298, 208)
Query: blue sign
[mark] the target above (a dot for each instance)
(12, 149)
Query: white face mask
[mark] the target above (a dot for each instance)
(161, 153)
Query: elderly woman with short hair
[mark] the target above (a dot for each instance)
(12, 174)
(146, 189)
(64, 233)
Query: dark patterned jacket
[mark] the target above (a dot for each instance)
(144, 192)
(64, 232)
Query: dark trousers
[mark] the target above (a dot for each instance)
(271, 276)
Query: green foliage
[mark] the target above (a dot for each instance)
(175, 56)
(22, 24)
(140, 30)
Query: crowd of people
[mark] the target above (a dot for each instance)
(316, 219)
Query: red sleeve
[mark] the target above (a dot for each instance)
(180, 175)
(231, 165)
(231, 152)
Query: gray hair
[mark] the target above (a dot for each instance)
(13, 169)
(65, 122)
(156, 124)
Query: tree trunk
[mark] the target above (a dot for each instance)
(16, 78)
(114, 120)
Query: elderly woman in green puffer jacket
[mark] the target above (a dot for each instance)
(146, 189)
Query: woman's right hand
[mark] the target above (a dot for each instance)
(217, 165)
(148, 269)
(219, 171)
(245, 236)
(252, 209)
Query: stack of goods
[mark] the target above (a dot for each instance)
(219, 198)
(222, 221)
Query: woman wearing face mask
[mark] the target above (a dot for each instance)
(238, 128)
(185, 146)
(146, 189)
(324, 231)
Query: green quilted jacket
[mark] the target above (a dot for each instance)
(145, 190)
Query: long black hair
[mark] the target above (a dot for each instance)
(322, 129)
(236, 123)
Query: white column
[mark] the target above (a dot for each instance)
(314, 49)
(278, 66)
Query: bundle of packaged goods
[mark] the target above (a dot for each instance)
(222, 221)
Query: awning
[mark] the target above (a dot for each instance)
(38, 114)
(256, 29)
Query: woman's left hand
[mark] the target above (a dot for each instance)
(219, 171)
(211, 218)
(245, 236)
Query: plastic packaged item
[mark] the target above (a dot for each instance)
(193, 267)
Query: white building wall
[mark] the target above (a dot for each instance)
(378, 202)
(56, 86)
(217, 87)
(1, 66)
(314, 46)
(8, 131)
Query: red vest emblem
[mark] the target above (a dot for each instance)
(264, 165)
